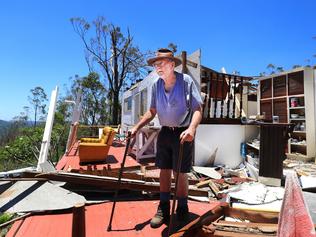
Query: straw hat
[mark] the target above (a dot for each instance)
(162, 54)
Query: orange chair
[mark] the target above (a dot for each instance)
(94, 149)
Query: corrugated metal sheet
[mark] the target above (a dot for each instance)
(28, 196)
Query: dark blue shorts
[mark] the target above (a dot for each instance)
(168, 145)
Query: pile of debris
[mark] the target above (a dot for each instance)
(236, 202)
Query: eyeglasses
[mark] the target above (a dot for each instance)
(160, 63)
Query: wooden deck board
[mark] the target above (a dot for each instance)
(130, 219)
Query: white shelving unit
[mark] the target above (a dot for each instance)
(291, 96)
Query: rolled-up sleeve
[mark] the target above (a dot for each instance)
(153, 97)
(196, 100)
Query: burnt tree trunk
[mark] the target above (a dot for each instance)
(116, 109)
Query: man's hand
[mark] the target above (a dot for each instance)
(187, 135)
(133, 131)
(148, 116)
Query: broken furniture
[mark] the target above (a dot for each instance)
(96, 149)
(146, 139)
(290, 96)
(120, 135)
(273, 138)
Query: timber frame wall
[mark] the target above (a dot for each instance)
(223, 100)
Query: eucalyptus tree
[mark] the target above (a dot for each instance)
(262, 74)
(173, 47)
(280, 69)
(95, 99)
(119, 60)
(271, 67)
(38, 100)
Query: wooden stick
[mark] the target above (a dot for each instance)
(203, 183)
(214, 188)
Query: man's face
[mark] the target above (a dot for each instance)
(164, 67)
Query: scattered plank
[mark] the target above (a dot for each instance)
(127, 175)
(214, 188)
(229, 228)
(253, 216)
(193, 227)
(207, 171)
(111, 182)
(22, 179)
(203, 183)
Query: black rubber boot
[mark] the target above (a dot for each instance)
(162, 216)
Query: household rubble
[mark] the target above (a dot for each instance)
(231, 193)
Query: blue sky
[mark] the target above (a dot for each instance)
(38, 46)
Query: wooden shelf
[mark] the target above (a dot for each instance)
(279, 109)
(296, 155)
(297, 119)
(266, 88)
(297, 107)
(295, 144)
(253, 146)
(299, 131)
(295, 83)
(300, 95)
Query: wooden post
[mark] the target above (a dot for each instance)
(78, 221)
(74, 121)
(42, 158)
(234, 103)
(204, 105)
(184, 62)
(222, 102)
(241, 95)
(210, 94)
(228, 101)
(215, 99)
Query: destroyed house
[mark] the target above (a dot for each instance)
(76, 196)
(225, 102)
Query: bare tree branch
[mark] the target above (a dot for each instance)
(118, 59)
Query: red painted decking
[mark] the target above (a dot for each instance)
(130, 219)
(114, 159)
(43, 225)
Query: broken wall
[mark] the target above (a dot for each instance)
(226, 138)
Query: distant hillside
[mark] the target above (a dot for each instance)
(4, 125)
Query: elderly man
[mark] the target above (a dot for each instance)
(177, 102)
